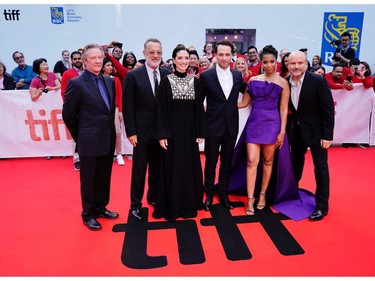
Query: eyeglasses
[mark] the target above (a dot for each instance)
(17, 58)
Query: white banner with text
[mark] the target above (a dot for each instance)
(32, 129)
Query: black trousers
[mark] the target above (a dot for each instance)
(215, 146)
(144, 155)
(320, 160)
(95, 176)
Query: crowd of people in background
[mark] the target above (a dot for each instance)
(157, 130)
(354, 70)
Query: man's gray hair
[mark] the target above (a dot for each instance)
(91, 46)
(154, 40)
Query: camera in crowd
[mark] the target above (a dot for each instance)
(335, 43)
(118, 44)
(45, 90)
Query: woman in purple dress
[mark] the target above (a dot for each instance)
(265, 129)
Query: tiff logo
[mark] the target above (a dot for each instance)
(134, 251)
(54, 121)
(12, 15)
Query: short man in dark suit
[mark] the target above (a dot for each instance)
(221, 86)
(310, 124)
(88, 112)
(139, 107)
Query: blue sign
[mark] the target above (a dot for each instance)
(57, 15)
(334, 25)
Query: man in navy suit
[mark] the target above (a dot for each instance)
(139, 107)
(221, 86)
(88, 112)
(310, 124)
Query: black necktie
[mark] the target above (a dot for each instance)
(102, 91)
(156, 82)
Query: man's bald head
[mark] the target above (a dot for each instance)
(297, 64)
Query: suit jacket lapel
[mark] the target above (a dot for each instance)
(234, 81)
(109, 90)
(146, 81)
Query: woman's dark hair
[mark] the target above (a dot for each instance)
(284, 68)
(125, 63)
(179, 47)
(36, 65)
(368, 71)
(319, 59)
(193, 52)
(5, 69)
(105, 60)
(268, 50)
(322, 68)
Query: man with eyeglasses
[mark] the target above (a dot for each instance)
(345, 53)
(254, 65)
(23, 73)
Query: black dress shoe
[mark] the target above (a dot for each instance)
(137, 214)
(226, 202)
(108, 215)
(317, 215)
(92, 224)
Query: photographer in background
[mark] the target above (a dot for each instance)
(45, 81)
(345, 53)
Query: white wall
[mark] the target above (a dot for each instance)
(284, 26)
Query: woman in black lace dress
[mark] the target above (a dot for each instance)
(180, 129)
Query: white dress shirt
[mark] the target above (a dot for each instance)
(150, 73)
(295, 90)
(225, 79)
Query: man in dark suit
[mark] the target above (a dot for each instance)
(220, 86)
(139, 107)
(310, 124)
(88, 112)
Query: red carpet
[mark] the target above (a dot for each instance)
(42, 233)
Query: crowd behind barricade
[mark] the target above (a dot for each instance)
(178, 85)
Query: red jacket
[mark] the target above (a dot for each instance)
(118, 88)
(120, 69)
(367, 81)
(334, 84)
(68, 74)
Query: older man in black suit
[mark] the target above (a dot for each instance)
(88, 112)
(221, 86)
(310, 124)
(139, 107)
